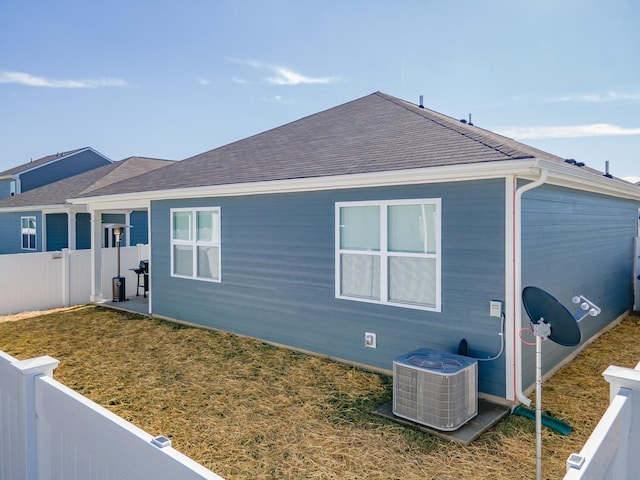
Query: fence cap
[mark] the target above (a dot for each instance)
(621, 377)
(37, 365)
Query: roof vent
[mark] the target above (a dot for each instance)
(468, 122)
(570, 160)
(421, 102)
(579, 164)
(606, 170)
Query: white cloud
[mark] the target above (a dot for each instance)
(203, 81)
(282, 75)
(632, 179)
(567, 131)
(29, 80)
(610, 96)
(276, 99)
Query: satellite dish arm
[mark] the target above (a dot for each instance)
(587, 307)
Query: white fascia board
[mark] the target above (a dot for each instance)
(377, 179)
(57, 159)
(53, 160)
(30, 208)
(64, 209)
(46, 208)
(569, 176)
(97, 153)
(113, 202)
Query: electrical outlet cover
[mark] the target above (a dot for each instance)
(495, 308)
(370, 340)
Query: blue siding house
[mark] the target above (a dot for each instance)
(382, 217)
(49, 169)
(41, 219)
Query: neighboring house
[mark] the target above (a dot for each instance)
(380, 216)
(42, 220)
(49, 169)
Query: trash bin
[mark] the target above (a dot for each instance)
(119, 289)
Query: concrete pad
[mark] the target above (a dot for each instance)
(489, 414)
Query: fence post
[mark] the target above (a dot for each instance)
(620, 378)
(30, 370)
(66, 277)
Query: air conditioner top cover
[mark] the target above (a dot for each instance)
(435, 361)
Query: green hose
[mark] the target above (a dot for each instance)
(553, 423)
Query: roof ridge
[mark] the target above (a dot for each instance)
(403, 104)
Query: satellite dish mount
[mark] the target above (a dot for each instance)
(550, 319)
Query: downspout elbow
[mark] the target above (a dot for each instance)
(544, 174)
(517, 301)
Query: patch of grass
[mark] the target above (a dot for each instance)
(248, 410)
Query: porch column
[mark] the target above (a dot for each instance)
(127, 221)
(96, 256)
(71, 229)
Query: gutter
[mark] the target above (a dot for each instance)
(517, 279)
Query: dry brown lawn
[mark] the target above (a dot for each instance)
(248, 410)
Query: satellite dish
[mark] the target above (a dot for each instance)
(542, 306)
(551, 320)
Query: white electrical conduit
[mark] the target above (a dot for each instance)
(517, 279)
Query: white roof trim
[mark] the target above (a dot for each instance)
(46, 208)
(559, 174)
(63, 156)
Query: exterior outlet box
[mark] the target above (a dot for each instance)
(369, 340)
(495, 308)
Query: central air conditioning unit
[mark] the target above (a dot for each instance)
(436, 389)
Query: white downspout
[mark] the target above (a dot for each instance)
(150, 294)
(517, 278)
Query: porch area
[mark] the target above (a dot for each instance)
(133, 303)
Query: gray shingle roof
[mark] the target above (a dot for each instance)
(375, 133)
(84, 183)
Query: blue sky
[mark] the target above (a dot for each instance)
(171, 79)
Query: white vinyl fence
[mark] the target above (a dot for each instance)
(50, 432)
(37, 281)
(611, 452)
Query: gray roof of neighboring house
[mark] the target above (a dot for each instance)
(40, 161)
(58, 192)
(374, 133)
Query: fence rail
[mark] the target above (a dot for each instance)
(50, 432)
(611, 451)
(38, 281)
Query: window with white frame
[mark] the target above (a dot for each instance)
(28, 232)
(389, 252)
(195, 243)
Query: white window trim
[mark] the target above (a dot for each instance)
(195, 243)
(384, 254)
(27, 232)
